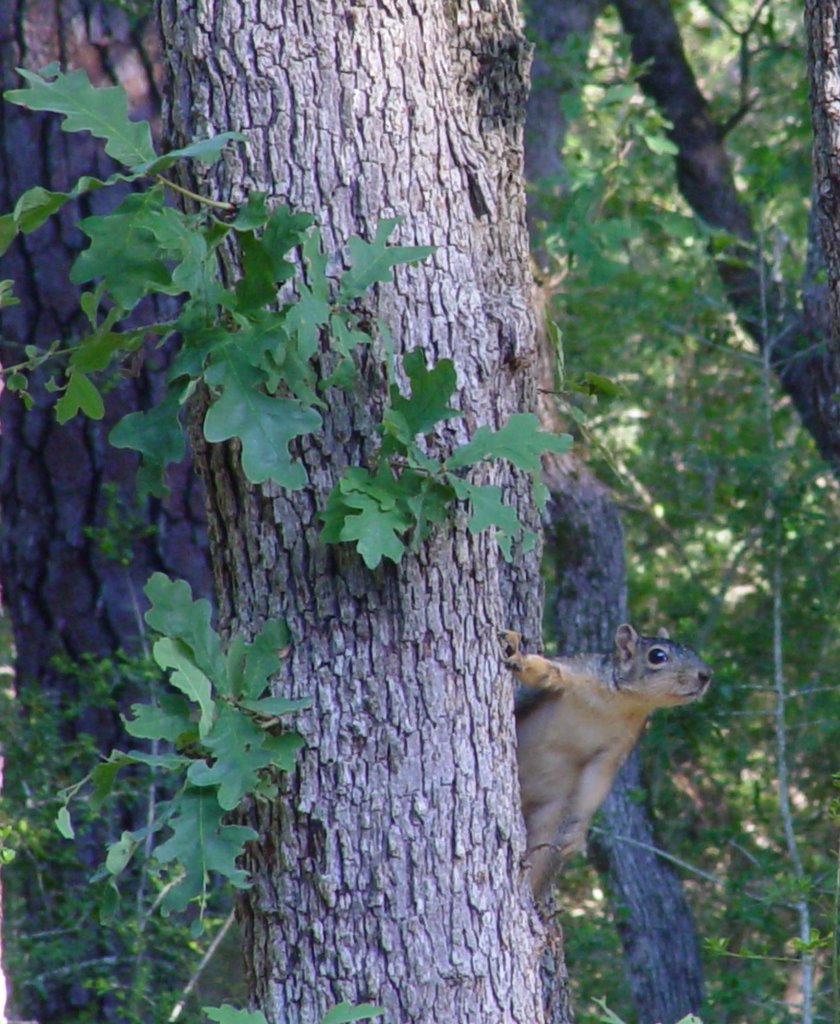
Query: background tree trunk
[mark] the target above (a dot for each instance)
(63, 489)
(391, 870)
(794, 337)
(822, 24)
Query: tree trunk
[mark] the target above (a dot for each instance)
(65, 597)
(391, 870)
(561, 31)
(822, 24)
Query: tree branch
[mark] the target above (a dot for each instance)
(704, 177)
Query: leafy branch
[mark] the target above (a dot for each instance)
(224, 740)
(342, 1013)
(253, 358)
(392, 508)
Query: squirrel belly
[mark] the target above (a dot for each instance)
(577, 722)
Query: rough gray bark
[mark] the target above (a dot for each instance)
(63, 597)
(391, 870)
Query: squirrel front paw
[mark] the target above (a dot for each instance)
(511, 641)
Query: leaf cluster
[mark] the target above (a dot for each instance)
(218, 737)
(342, 1013)
(393, 508)
(252, 357)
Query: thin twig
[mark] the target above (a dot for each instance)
(216, 204)
(774, 531)
(205, 960)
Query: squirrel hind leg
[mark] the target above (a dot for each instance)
(546, 859)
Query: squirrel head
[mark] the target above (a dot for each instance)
(660, 671)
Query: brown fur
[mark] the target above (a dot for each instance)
(574, 736)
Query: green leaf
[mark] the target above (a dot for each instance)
(273, 706)
(187, 677)
(375, 530)
(607, 1015)
(241, 750)
(520, 441)
(489, 510)
(305, 319)
(206, 151)
(80, 395)
(226, 1014)
(167, 720)
(285, 231)
(311, 312)
(252, 214)
(345, 333)
(37, 204)
(257, 287)
(263, 257)
(102, 779)
(265, 426)
(343, 376)
(660, 144)
(374, 261)
(361, 518)
(284, 748)
(64, 824)
(158, 436)
(124, 250)
(237, 745)
(8, 230)
(597, 384)
(166, 762)
(426, 405)
(250, 666)
(345, 1012)
(200, 843)
(428, 505)
(101, 111)
(120, 853)
(97, 350)
(175, 614)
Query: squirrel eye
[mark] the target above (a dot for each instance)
(656, 656)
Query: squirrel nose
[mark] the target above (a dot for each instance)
(704, 677)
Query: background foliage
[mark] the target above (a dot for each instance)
(725, 503)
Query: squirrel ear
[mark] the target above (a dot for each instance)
(663, 633)
(625, 640)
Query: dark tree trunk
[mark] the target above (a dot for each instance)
(795, 337)
(561, 32)
(822, 24)
(63, 489)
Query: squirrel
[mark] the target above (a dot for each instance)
(576, 723)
